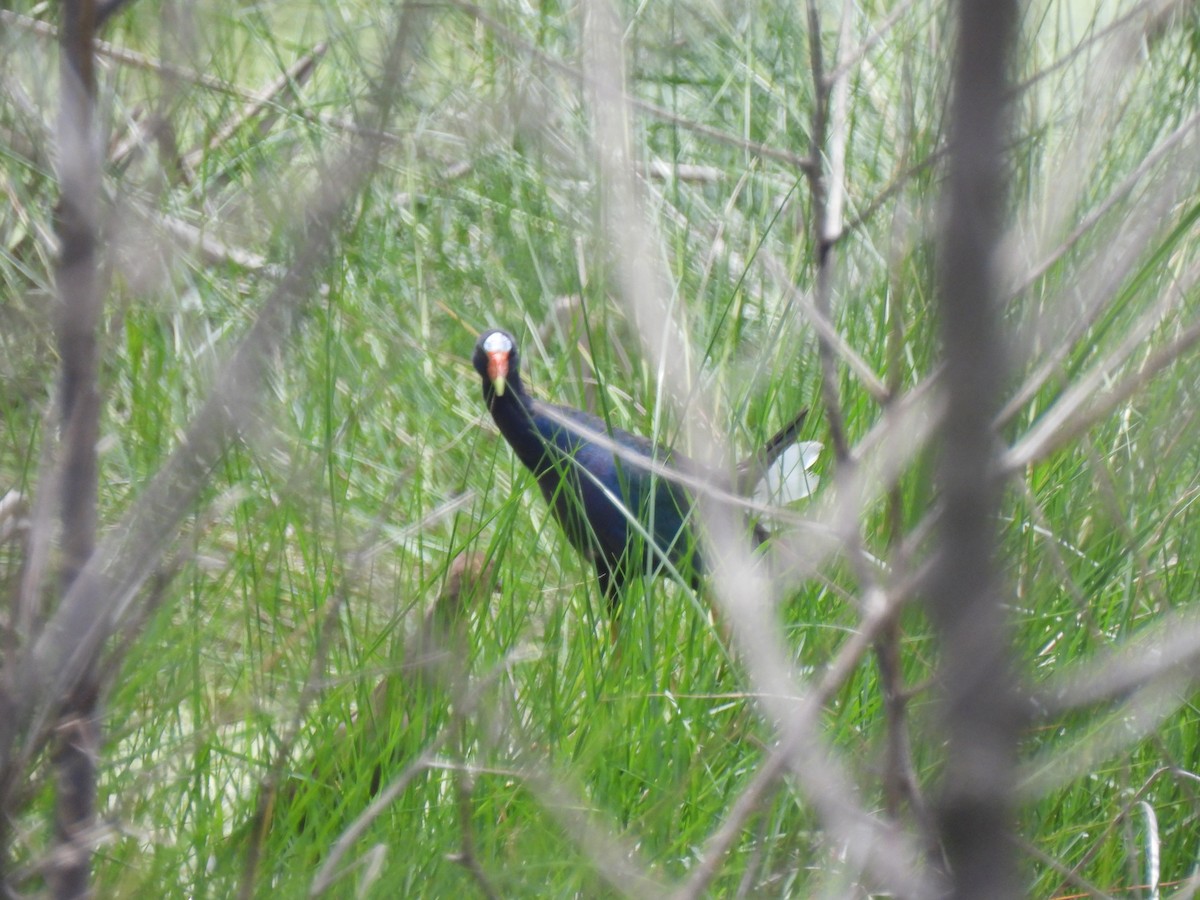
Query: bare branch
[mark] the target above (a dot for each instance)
(880, 613)
(329, 873)
(80, 298)
(1100, 282)
(848, 59)
(740, 586)
(182, 74)
(980, 714)
(1168, 650)
(102, 599)
(299, 72)
(1086, 401)
(654, 111)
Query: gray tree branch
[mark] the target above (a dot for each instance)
(980, 714)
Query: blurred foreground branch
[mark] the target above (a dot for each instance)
(80, 298)
(975, 815)
(52, 675)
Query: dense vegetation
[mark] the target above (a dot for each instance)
(262, 691)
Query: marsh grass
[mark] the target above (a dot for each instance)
(567, 764)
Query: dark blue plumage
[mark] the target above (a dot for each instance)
(591, 490)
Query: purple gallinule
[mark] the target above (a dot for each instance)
(621, 511)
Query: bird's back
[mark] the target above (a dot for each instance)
(594, 492)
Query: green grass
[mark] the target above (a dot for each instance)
(325, 533)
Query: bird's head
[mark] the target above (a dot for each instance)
(496, 360)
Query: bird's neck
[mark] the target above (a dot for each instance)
(515, 414)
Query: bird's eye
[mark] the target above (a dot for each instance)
(497, 342)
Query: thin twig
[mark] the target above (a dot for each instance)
(1085, 403)
(102, 600)
(405, 26)
(268, 787)
(200, 79)
(824, 328)
(296, 74)
(1135, 15)
(848, 59)
(1101, 283)
(512, 39)
(1165, 651)
(879, 611)
(824, 227)
(1070, 875)
(900, 781)
(464, 786)
(329, 873)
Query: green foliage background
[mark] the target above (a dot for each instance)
(373, 466)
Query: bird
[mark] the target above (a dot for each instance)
(622, 511)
